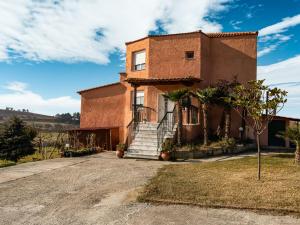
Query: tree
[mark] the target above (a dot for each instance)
(261, 103)
(224, 98)
(206, 96)
(177, 96)
(16, 139)
(293, 134)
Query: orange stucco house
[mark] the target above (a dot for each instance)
(134, 110)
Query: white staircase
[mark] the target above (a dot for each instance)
(145, 142)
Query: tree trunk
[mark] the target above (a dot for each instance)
(258, 157)
(297, 154)
(205, 133)
(179, 133)
(227, 122)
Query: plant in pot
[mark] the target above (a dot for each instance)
(167, 148)
(120, 150)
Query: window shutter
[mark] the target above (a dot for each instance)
(140, 58)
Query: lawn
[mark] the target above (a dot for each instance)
(31, 158)
(230, 184)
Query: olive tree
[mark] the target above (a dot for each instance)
(261, 103)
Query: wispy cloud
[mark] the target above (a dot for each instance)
(18, 96)
(266, 50)
(285, 75)
(84, 30)
(281, 26)
(272, 35)
(236, 24)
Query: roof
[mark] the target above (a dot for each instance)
(103, 86)
(230, 34)
(211, 35)
(286, 117)
(91, 128)
(162, 81)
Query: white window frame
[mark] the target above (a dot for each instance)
(140, 63)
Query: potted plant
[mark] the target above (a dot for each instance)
(166, 150)
(120, 150)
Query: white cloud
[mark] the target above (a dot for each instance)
(236, 24)
(19, 96)
(281, 26)
(273, 34)
(285, 75)
(16, 86)
(275, 37)
(266, 50)
(90, 30)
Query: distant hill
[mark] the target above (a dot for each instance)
(41, 122)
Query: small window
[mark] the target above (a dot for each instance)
(189, 55)
(139, 60)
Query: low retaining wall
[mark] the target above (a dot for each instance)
(211, 152)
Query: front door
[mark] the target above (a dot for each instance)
(164, 105)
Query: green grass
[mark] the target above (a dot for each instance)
(5, 163)
(230, 184)
(30, 158)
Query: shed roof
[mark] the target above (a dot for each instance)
(163, 81)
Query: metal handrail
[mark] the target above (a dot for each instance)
(144, 113)
(166, 124)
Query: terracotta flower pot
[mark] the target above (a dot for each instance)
(120, 154)
(165, 156)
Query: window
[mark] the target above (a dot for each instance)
(139, 98)
(139, 60)
(189, 55)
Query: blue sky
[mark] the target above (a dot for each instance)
(50, 49)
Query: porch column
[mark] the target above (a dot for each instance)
(134, 104)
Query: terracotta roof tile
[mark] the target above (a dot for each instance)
(230, 34)
(211, 35)
(149, 81)
(90, 89)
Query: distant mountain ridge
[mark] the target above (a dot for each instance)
(41, 122)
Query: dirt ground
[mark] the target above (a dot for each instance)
(101, 189)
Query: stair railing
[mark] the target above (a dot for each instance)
(166, 124)
(132, 128)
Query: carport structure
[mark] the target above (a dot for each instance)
(104, 137)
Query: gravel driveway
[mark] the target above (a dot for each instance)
(101, 190)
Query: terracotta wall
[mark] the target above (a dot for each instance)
(167, 56)
(191, 132)
(135, 47)
(233, 56)
(103, 107)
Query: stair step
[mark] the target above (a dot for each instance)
(140, 156)
(144, 143)
(146, 139)
(142, 152)
(143, 147)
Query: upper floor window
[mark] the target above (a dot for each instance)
(139, 60)
(189, 55)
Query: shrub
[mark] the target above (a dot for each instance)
(227, 144)
(81, 152)
(167, 146)
(16, 140)
(121, 147)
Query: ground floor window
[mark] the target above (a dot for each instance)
(139, 98)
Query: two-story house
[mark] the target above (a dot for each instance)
(155, 65)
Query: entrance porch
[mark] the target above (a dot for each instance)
(155, 119)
